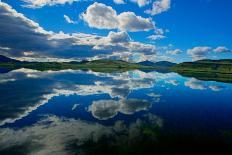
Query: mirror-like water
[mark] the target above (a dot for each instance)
(81, 112)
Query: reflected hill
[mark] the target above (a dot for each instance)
(207, 70)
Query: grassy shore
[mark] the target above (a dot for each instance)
(98, 65)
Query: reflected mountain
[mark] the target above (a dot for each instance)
(208, 76)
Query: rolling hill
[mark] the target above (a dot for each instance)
(215, 66)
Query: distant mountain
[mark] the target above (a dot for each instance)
(147, 63)
(202, 66)
(95, 65)
(165, 63)
(6, 59)
(157, 64)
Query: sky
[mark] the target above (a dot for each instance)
(130, 30)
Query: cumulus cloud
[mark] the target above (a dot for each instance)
(69, 20)
(174, 52)
(118, 37)
(200, 52)
(16, 30)
(142, 48)
(159, 6)
(119, 1)
(100, 16)
(222, 49)
(141, 3)
(41, 3)
(128, 21)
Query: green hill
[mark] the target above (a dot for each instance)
(96, 65)
(164, 64)
(201, 67)
(214, 66)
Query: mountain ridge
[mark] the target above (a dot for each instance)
(207, 65)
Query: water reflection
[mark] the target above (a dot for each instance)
(24, 90)
(105, 109)
(63, 112)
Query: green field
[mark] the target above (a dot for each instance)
(210, 70)
(97, 65)
(210, 66)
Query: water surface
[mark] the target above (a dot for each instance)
(85, 112)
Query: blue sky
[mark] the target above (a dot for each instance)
(132, 30)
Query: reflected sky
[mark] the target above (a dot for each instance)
(43, 111)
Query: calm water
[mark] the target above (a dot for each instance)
(81, 112)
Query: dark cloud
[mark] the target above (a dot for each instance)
(22, 37)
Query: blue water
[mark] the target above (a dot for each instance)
(32, 103)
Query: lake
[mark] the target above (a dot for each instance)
(133, 112)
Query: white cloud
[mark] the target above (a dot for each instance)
(199, 52)
(118, 37)
(42, 45)
(174, 52)
(159, 6)
(160, 31)
(142, 48)
(41, 3)
(141, 3)
(202, 52)
(69, 20)
(128, 21)
(119, 1)
(222, 49)
(100, 16)
(156, 37)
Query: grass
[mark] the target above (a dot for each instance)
(98, 65)
(212, 66)
(208, 70)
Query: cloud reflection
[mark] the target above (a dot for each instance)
(53, 135)
(201, 85)
(31, 89)
(105, 109)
